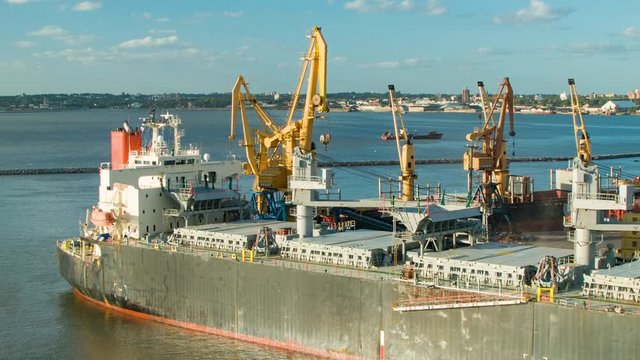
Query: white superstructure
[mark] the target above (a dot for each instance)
(156, 186)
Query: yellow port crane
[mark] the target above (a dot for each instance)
(406, 153)
(492, 159)
(583, 142)
(269, 150)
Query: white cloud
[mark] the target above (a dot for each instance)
(148, 42)
(90, 56)
(233, 14)
(162, 56)
(435, 8)
(593, 48)
(386, 65)
(537, 12)
(163, 31)
(417, 62)
(394, 64)
(199, 17)
(339, 59)
(58, 33)
(149, 16)
(84, 56)
(430, 7)
(13, 65)
(487, 51)
(631, 32)
(17, 2)
(24, 44)
(49, 31)
(87, 6)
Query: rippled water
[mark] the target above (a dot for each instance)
(41, 318)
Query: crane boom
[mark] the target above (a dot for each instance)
(583, 142)
(315, 62)
(406, 155)
(270, 151)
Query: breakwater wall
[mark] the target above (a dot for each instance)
(91, 170)
(48, 171)
(459, 161)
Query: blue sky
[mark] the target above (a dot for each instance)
(433, 46)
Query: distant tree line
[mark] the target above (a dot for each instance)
(223, 100)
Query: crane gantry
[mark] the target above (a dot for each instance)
(269, 150)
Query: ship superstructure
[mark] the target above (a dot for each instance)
(152, 185)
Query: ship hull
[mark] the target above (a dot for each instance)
(544, 213)
(331, 314)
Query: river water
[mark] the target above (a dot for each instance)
(41, 319)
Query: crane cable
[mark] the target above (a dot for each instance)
(357, 170)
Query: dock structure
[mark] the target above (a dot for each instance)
(619, 283)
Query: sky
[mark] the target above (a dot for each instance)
(421, 46)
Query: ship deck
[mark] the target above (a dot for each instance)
(518, 255)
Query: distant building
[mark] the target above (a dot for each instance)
(616, 106)
(465, 95)
(563, 96)
(634, 94)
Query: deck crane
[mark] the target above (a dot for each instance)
(270, 151)
(492, 159)
(406, 153)
(583, 143)
(591, 195)
(264, 158)
(585, 180)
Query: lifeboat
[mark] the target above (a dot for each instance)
(101, 218)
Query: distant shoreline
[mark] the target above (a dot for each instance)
(93, 170)
(336, 110)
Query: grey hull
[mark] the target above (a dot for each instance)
(336, 315)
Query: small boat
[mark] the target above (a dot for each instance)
(431, 135)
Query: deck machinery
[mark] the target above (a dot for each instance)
(593, 196)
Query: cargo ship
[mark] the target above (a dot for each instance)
(171, 239)
(431, 135)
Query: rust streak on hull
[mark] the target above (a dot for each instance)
(288, 346)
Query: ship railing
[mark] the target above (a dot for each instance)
(588, 304)
(147, 153)
(340, 270)
(597, 196)
(189, 152)
(316, 179)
